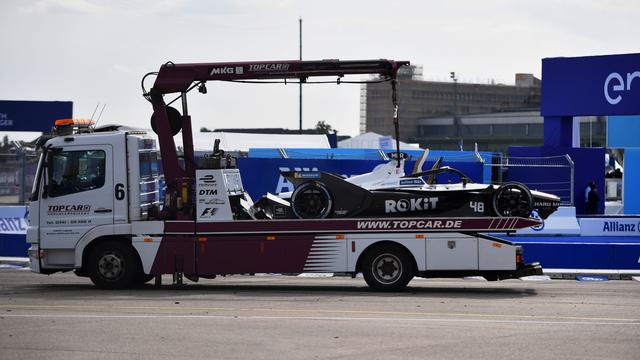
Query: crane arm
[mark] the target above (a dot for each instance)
(180, 78)
(174, 78)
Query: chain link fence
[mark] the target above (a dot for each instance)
(550, 174)
(17, 172)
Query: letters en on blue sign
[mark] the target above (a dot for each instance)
(591, 85)
(33, 115)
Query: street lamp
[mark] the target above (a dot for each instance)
(453, 77)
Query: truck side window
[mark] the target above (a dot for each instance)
(76, 171)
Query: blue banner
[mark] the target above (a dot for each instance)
(13, 230)
(33, 115)
(13, 220)
(591, 85)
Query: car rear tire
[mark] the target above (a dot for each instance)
(114, 265)
(387, 268)
(513, 199)
(311, 200)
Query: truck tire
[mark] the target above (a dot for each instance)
(387, 268)
(114, 265)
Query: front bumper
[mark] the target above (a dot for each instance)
(528, 270)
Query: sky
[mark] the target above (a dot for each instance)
(96, 52)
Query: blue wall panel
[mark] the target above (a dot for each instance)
(623, 131)
(631, 181)
(14, 245)
(570, 256)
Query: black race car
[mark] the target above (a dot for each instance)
(387, 192)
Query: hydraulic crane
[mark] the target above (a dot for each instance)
(182, 78)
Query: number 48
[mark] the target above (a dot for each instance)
(477, 206)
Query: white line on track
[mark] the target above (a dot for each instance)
(321, 318)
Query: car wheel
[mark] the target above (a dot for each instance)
(311, 200)
(387, 268)
(114, 265)
(513, 199)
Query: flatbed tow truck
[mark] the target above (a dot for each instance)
(96, 206)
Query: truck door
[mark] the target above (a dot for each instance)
(77, 194)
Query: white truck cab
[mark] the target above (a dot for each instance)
(90, 185)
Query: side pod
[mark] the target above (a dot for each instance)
(346, 199)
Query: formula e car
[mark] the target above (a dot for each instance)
(386, 191)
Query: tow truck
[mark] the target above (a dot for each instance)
(110, 205)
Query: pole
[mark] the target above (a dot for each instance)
(300, 84)
(455, 108)
(23, 177)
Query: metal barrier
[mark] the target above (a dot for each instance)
(17, 171)
(554, 174)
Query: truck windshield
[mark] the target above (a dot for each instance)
(76, 171)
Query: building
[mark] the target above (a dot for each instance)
(497, 131)
(421, 100)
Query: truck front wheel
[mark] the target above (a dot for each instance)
(113, 265)
(387, 268)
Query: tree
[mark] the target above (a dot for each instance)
(324, 128)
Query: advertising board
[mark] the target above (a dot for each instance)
(32, 115)
(591, 85)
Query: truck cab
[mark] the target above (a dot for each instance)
(89, 185)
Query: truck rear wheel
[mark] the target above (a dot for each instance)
(114, 265)
(387, 268)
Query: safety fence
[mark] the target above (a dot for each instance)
(550, 174)
(17, 171)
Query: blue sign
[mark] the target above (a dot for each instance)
(13, 220)
(13, 230)
(33, 115)
(591, 85)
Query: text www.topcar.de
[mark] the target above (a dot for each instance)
(408, 224)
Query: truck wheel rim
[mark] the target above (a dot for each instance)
(111, 266)
(387, 268)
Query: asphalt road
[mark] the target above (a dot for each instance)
(276, 317)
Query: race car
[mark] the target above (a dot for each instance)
(386, 191)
